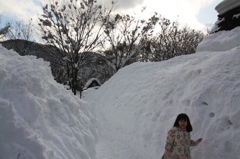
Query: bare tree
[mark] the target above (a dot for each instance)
(126, 37)
(21, 30)
(21, 35)
(4, 30)
(75, 28)
(172, 40)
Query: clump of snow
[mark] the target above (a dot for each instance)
(39, 118)
(139, 104)
(236, 15)
(222, 41)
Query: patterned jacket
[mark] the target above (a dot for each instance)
(178, 144)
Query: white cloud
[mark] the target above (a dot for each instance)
(22, 9)
(123, 4)
(185, 11)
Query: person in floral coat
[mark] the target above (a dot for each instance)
(179, 140)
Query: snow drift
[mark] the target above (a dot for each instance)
(139, 104)
(221, 41)
(39, 118)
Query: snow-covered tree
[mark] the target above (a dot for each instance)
(75, 28)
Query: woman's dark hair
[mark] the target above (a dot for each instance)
(183, 116)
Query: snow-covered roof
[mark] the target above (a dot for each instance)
(226, 5)
(90, 81)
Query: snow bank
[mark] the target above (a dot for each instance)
(222, 41)
(139, 104)
(39, 118)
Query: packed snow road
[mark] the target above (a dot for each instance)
(112, 143)
(115, 149)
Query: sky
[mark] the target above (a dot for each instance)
(128, 117)
(195, 13)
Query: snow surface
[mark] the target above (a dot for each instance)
(39, 118)
(221, 41)
(134, 109)
(226, 5)
(139, 104)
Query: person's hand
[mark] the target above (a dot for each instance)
(198, 141)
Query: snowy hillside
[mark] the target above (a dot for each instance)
(139, 104)
(39, 118)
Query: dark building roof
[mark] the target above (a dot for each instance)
(229, 15)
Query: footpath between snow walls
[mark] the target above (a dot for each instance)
(39, 118)
(140, 102)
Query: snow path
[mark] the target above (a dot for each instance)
(113, 145)
(112, 142)
(117, 149)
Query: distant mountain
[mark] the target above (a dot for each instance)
(24, 47)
